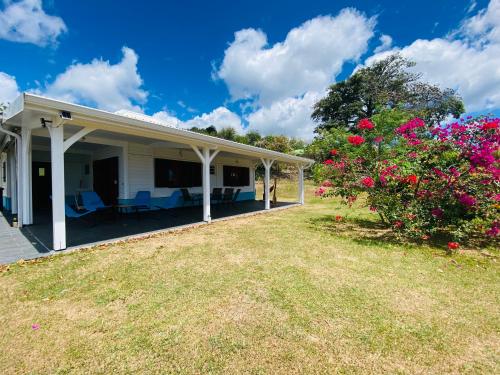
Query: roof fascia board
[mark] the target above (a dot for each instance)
(107, 121)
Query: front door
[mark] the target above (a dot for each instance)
(106, 179)
(41, 178)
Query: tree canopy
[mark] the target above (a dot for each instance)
(388, 83)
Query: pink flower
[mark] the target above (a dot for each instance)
(368, 182)
(453, 245)
(467, 200)
(373, 208)
(355, 140)
(35, 327)
(365, 124)
(328, 162)
(378, 139)
(412, 154)
(319, 192)
(494, 230)
(327, 184)
(437, 212)
(398, 224)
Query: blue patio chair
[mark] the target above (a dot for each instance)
(71, 213)
(171, 201)
(142, 200)
(92, 202)
(227, 197)
(236, 195)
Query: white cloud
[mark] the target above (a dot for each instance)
(468, 60)
(168, 119)
(25, 21)
(484, 26)
(385, 43)
(183, 105)
(290, 116)
(102, 84)
(220, 117)
(307, 60)
(8, 88)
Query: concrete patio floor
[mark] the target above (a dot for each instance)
(36, 240)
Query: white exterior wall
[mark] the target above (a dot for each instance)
(141, 169)
(136, 164)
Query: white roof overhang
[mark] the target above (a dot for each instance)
(27, 110)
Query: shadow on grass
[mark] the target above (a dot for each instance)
(371, 231)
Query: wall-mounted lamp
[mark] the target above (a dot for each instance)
(45, 122)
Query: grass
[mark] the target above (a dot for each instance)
(286, 292)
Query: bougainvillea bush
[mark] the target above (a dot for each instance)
(421, 180)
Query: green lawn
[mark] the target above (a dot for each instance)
(286, 292)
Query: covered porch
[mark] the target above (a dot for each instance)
(65, 149)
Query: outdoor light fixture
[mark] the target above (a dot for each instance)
(65, 115)
(44, 122)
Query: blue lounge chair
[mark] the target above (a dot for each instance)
(142, 200)
(92, 202)
(171, 201)
(71, 213)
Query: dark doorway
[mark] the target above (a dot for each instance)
(106, 179)
(41, 178)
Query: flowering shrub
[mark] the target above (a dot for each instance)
(420, 180)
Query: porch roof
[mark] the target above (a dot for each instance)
(28, 108)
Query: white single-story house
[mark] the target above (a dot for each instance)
(50, 151)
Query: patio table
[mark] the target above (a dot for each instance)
(197, 197)
(124, 208)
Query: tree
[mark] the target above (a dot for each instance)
(422, 180)
(385, 84)
(253, 137)
(227, 133)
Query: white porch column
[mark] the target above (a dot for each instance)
(267, 177)
(58, 195)
(25, 181)
(206, 158)
(12, 176)
(301, 184)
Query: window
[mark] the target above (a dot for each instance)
(236, 176)
(176, 174)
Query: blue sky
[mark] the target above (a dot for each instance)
(253, 65)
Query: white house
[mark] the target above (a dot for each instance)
(52, 150)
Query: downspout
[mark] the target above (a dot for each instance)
(18, 139)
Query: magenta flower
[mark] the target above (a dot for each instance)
(35, 327)
(368, 182)
(437, 212)
(494, 230)
(467, 200)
